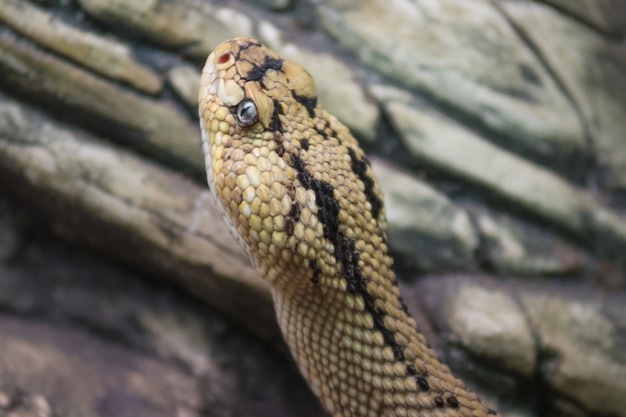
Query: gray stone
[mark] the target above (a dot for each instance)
(195, 25)
(185, 80)
(129, 117)
(608, 16)
(584, 352)
(122, 192)
(463, 54)
(105, 56)
(592, 70)
(481, 334)
(426, 229)
(438, 142)
(48, 370)
(179, 357)
(10, 232)
(512, 247)
(272, 4)
(492, 326)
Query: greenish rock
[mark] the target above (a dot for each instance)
(513, 247)
(608, 16)
(129, 117)
(592, 70)
(104, 55)
(492, 326)
(439, 142)
(185, 80)
(272, 4)
(196, 26)
(165, 213)
(583, 351)
(466, 56)
(426, 229)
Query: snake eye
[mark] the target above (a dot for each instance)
(247, 114)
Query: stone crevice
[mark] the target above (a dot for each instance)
(590, 168)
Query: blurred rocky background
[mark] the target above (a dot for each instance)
(497, 128)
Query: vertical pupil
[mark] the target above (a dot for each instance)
(245, 111)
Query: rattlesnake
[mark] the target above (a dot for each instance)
(300, 197)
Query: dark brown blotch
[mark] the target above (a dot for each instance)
(309, 103)
(295, 211)
(359, 167)
(315, 279)
(289, 226)
(422, 383)
(236, 195)
(291, 192)
(278, 141)
(452, 402)
(321, 132)
(439, 403)
(258, 72)
(275, 124)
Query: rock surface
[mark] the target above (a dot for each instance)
(573, 52)
(433, 49)
(497, 134)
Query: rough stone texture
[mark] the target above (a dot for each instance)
(608, 16)
(105, 56)
(138, 121)
(194, 26)
(437, 141)
(510, 247)
(436, 48)
(566, 341)
(102, 341)
(494, 327)
(426, 230)
(463, 332)
(42, 357)
(172, 221)
(501, 157)
(272, 4)
(583, 350)
(185, 80)
(592, 70)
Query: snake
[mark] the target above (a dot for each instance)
(298, 194)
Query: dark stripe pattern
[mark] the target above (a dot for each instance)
(345, 251)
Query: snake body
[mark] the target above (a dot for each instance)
(300, 197)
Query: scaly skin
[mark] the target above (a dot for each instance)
(300, 197)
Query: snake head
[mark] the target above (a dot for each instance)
(254, 107)
(252, 83)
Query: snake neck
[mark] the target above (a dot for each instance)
(367, 362)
